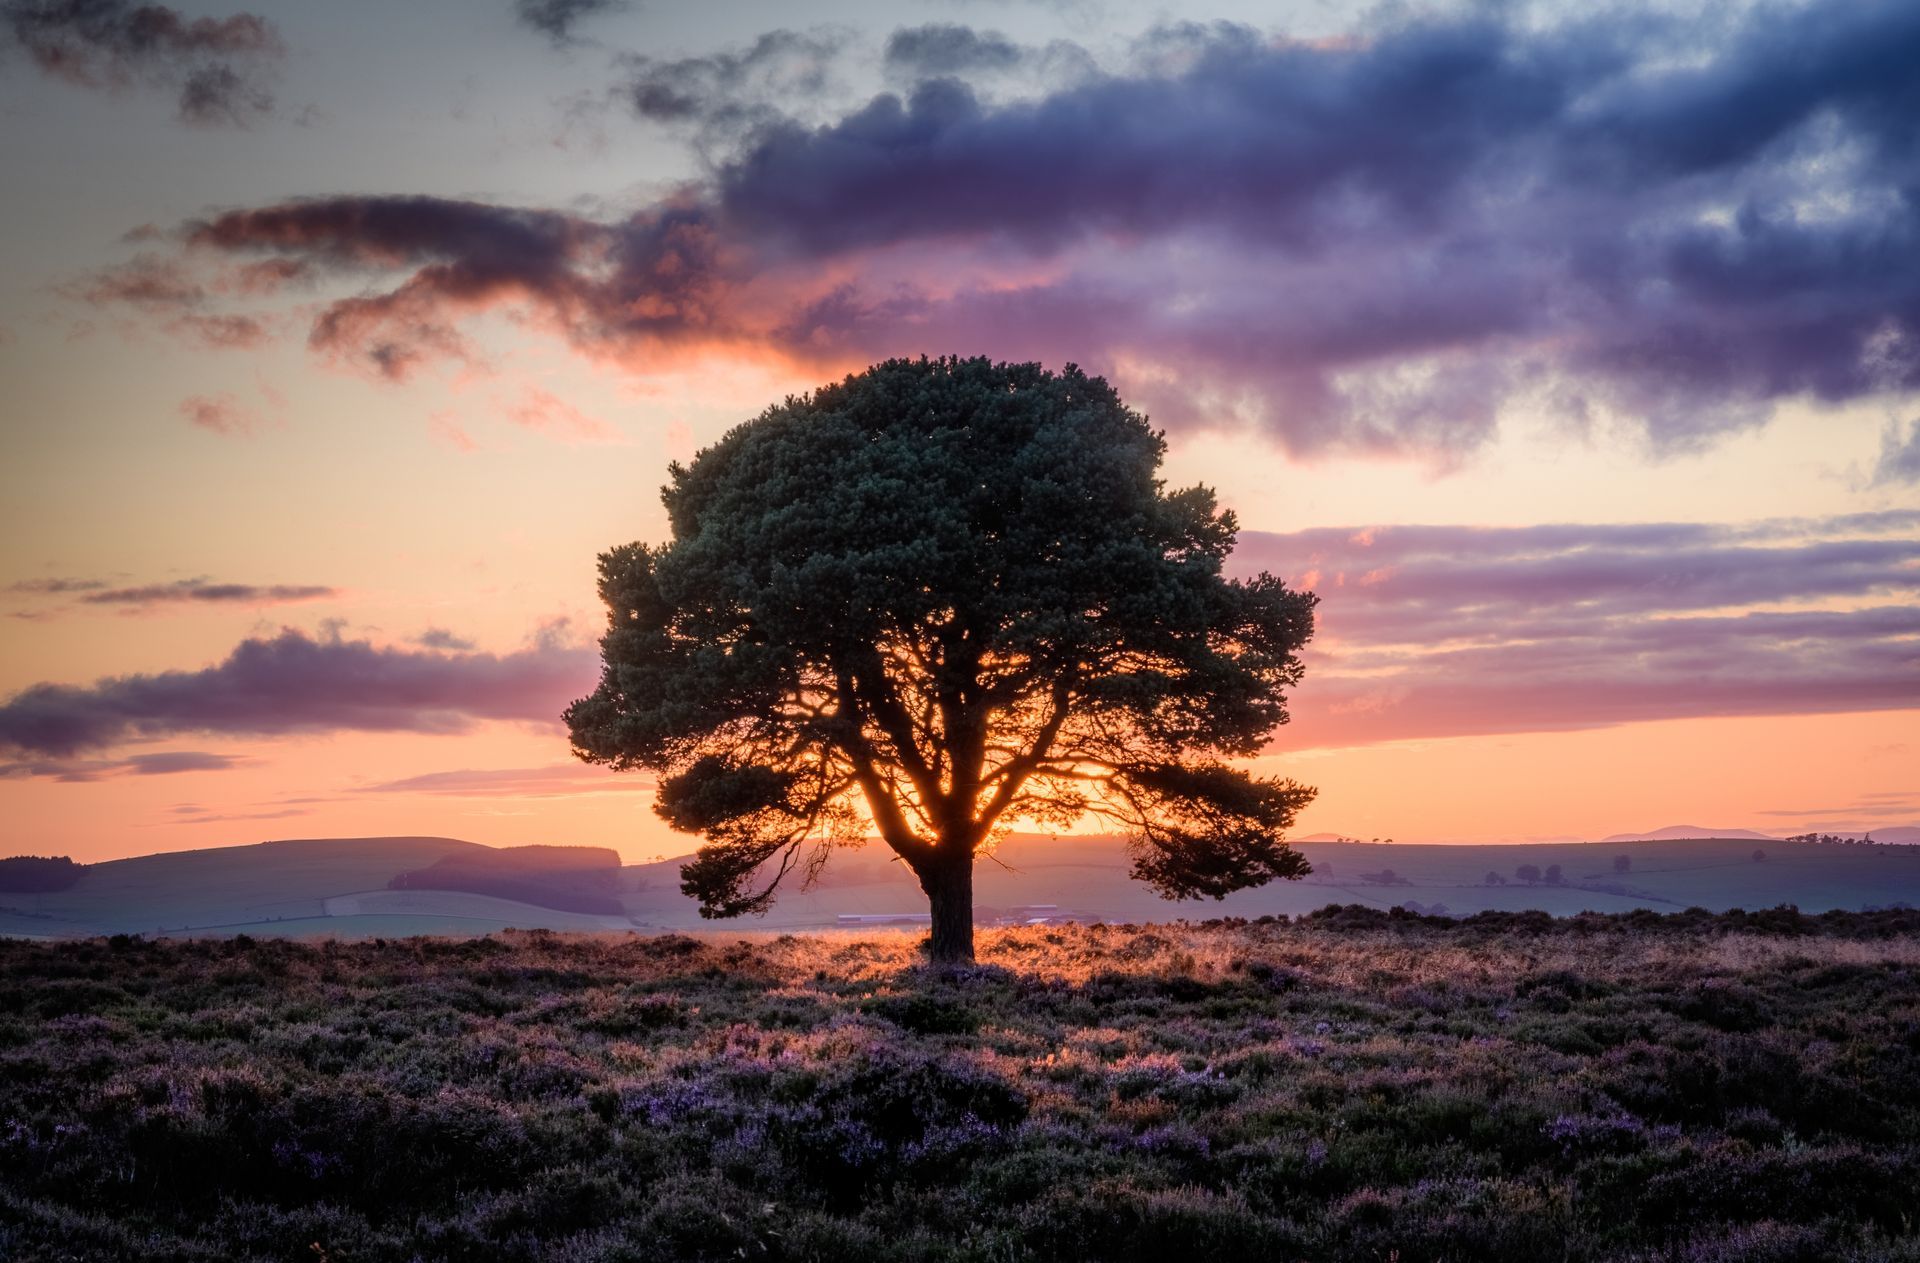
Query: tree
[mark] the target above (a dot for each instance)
(1493, 879)
(1759, 856)
(1528, 873)
(930, 600)
(1622, 863)
(1553, 877)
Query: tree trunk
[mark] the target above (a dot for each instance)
(949, 887)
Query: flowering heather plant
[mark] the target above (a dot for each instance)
(1352, 1085)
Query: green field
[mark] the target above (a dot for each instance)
(338, 887)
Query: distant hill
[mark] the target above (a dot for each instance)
(342, 887)
(1898, 835)
(565, 878)
(1684, 832)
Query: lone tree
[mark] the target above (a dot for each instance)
(933, 599)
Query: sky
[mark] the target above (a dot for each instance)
(1572, 356)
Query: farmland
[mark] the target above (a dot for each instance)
(1348, 1085)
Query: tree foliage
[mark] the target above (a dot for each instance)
(932, 599)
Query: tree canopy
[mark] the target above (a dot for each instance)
(934, 598)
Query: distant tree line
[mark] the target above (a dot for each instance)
(1834, 839)
(36, 874)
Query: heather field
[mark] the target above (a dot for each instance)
(1349, 1085)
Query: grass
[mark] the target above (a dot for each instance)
(1347, 1086)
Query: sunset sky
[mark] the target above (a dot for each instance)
(1572, 356)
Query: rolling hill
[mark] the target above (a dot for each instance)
(1682, 832)
(339, 887)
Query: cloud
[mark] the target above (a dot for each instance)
(1449, 631)
(951, 50)
(948, 48)
(546, 413)
(189, 813)
(217, 67)
(1899, 457)
(1378, 243)
(165, 292)
(157, 763)
(725, 97)
(205, 591)
(555, 781)
(221, 414)
(441, 638)
(55, 587)
(292, 683)
(556, 18)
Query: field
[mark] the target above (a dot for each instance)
(1351, 1085)
(337, 886)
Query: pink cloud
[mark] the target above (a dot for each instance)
(221, 414)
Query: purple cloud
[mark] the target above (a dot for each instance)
(215, 65)
(1368, 244)
(1445, 631)
(158, 763)
(205, 591)
(441, 638)
(292, 683)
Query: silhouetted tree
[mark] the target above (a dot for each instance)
(1493, 879)
(1622, 863)
(1528, 873)
(1553, 875)
(1759, 856)
(943, 595)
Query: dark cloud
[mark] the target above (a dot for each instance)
(216, 66)
(726, 96)
(1426, 585)
(556, 18)
(948, 48)
(292, 683)
(1372, 243)
(652, 279)
(441, 638)
(1445, 631)
(205, 591)
(158, 763)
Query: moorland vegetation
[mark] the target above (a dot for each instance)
(1353, 1084)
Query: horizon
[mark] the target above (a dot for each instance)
(342, 341)
(1641, 838)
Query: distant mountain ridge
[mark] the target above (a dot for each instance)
(1683, 832)
(1897, 835)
